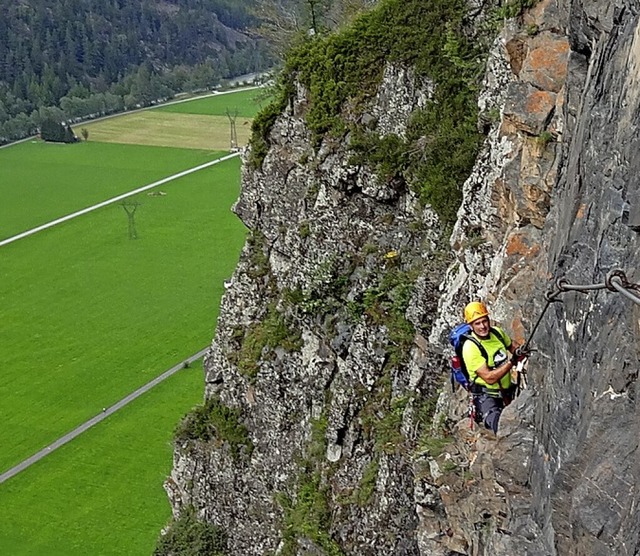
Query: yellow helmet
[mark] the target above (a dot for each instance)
(474, 311)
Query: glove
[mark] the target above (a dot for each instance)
(520, 354)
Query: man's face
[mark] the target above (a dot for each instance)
(481, 327)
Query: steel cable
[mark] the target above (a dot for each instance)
(623, 287)
(616, 281)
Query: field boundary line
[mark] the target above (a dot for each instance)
(115, 199)
(106, 412)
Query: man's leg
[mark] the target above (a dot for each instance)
(509, 394)
(490, 407)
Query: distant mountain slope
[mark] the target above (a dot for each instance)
(130, 52)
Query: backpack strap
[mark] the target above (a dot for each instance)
(498, 334)
(479, 345)
(483, 351)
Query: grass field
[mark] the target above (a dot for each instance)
(196, 124)
(166, 129)
(88, 315)
(40, 182)
(101, 494)
(245, 103)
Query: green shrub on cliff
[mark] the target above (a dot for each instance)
(214, 421)
(190, 536)
(307, 515)
(341, 73)
(260, 339)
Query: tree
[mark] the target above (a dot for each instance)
(49, 113)
(282, 20)
(18, 126)
(75, 49)
(57, 132)
(72, 106)
(3, 112)
(52, 130)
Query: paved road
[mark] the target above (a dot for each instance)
(115, 199)
(100, 417)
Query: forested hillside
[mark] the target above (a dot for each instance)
(73, 58)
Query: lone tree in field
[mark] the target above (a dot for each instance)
(130, 208)
(85, 133)
(232, 123)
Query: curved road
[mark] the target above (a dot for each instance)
(100, 417)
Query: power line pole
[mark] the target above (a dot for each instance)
(232, 124)
(130, 208)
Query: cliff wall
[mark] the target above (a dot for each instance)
(328, 427)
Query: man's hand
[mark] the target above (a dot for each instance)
(520, 354)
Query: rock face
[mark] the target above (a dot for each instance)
(585, 453)
(324, 407)
(566, 453)
(330, 339)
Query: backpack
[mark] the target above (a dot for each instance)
(457, 337)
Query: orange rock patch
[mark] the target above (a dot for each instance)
(541, 102)
(518, 245)
(581, 210)
(546, 65)
(517, 330)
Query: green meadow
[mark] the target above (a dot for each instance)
(245, 103)
(102, 493)
(87, 315)
(40, 182)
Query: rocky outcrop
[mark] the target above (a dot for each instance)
(585, 451)
(329, 347)
(565, 457)
(329, 270)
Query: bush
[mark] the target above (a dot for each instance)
(52, 130)
(272, 332)
(189, 536)
(263, 122)
(215, 421)
(344, 69)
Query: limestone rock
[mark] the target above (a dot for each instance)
(545, 66)
(529, 109)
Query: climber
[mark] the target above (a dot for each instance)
(490, 375)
